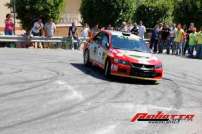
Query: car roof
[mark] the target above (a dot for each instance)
(119, 33)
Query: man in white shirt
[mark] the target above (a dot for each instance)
(85, 32)
(142, 30)
(124, 27)
(50, 28)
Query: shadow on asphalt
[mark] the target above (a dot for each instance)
(99, 74)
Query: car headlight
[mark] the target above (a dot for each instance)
(121, 61)
(158, 66)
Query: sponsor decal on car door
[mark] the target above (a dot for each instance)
(101, 54)
(93, 50)
(94, 46)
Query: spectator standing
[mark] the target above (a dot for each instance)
(110, 27)
(154, 39)
(199, 44)
(165, 32)
(124, 27)
(130, 27)
(74, 35)
(189, 31)
(50, 29)
(172, 35)
(85, 32)
(142, 30)
(179, 36)
(184, 39)
(95, 30)
(192, 43)
(160, 27)
(135, 29)
(37, 30)
(9, 25)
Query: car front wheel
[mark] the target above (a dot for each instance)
(86, 58)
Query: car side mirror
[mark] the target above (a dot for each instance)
(107, 45)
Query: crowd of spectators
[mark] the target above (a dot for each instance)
(170, 39)
(177, 40)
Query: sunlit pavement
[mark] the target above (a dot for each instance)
(51, 92)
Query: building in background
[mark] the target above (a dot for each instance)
(70, 14)
(4, 11)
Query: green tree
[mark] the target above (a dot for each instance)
(152, 12)
(29, 10)
(104, 12)
(187, 11)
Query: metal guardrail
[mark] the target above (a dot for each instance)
(21, 39)
(64, 42)
(56, 42)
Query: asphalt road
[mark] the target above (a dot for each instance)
(51, 92)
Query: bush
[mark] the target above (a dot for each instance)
(104, 12)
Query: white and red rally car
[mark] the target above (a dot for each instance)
(122, 54)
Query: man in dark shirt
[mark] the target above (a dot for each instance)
(73, 31)
(74, 35)
(164, 38)
(135, 29)
(154, 39)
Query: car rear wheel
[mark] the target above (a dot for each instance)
(107, 70)
(86, 58)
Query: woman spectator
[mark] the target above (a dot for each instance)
(9, 25)
(37, 30)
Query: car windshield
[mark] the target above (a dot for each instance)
(126, 43)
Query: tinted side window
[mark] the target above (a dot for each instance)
(105, 40)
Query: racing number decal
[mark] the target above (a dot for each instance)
(100, 52)
(101, 55)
